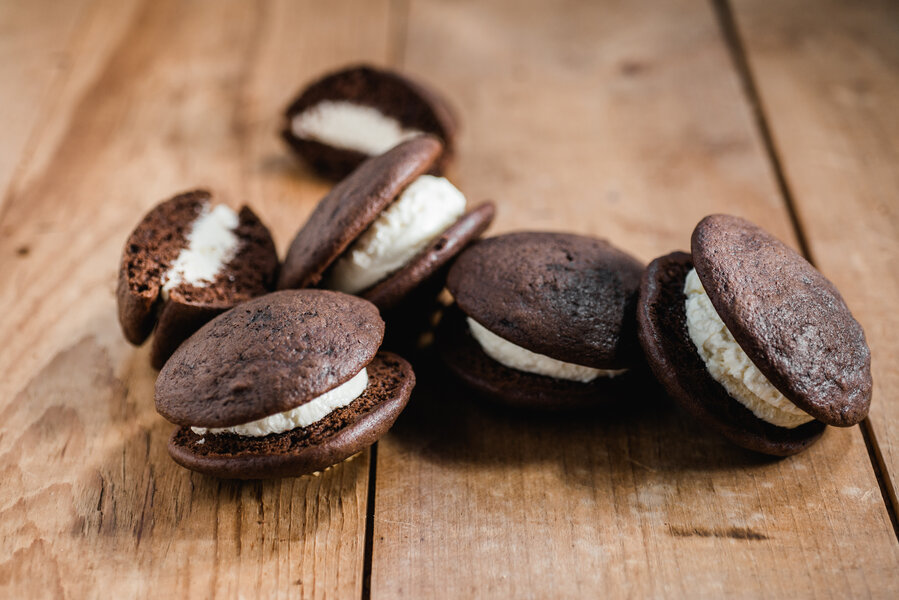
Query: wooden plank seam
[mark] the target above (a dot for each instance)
(735, 46)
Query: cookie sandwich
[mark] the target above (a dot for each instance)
(542, 320)
(286, 384)
(187, 261)
(752, 340)
(386, 229)
(347, 116)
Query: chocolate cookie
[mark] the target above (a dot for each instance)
(543, 319)
(361, 111)
(187, 261)
(285, 384)
(373, 216)
(774, 309)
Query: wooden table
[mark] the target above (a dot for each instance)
(627, 120)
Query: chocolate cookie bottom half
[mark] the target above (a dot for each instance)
(465, 358)
(673, 358)
(338, 436)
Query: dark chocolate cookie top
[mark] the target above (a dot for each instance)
(267, 356)
(412, 103)
(351, 206)
(567, 296)
(788, 318)
(662, 327)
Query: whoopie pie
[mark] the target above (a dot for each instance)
(542, 320)
(286, 384)
(752, 340)
(361, 111)
(187, 261)
(385, 229)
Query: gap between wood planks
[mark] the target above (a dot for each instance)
(369, 523)
(735, 46)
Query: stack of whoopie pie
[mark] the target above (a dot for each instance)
(743, 333)
(187, 261)
(340, 120)
(285, 384)
(288, 383)
(385, 229)
(543, 319)
(752, 340)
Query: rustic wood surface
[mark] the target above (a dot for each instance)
(828, 75)
(157, 97)
(630, 123)
(625, 120)
(32, 43)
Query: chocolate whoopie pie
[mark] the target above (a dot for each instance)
(542, 319)
(187, 261)
(283, 385)
(358, 112)
(752, 340)
(385, 229)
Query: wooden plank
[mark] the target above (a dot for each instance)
(34, 39)
(828, 77)
(169, 95)
(625, 120)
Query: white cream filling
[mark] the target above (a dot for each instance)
(301, 416)
(211, 244)
(425, 209)
(729, 365)
(350, 126)
(515, 357)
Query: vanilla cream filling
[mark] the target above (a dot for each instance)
(350, 126)
(425, 209)
(211, 244)
(515, 357)
(301, 416)
(729, 365)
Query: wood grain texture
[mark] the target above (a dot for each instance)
(35, 54)
(828, 77)
(162, 96)
(624, 120)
